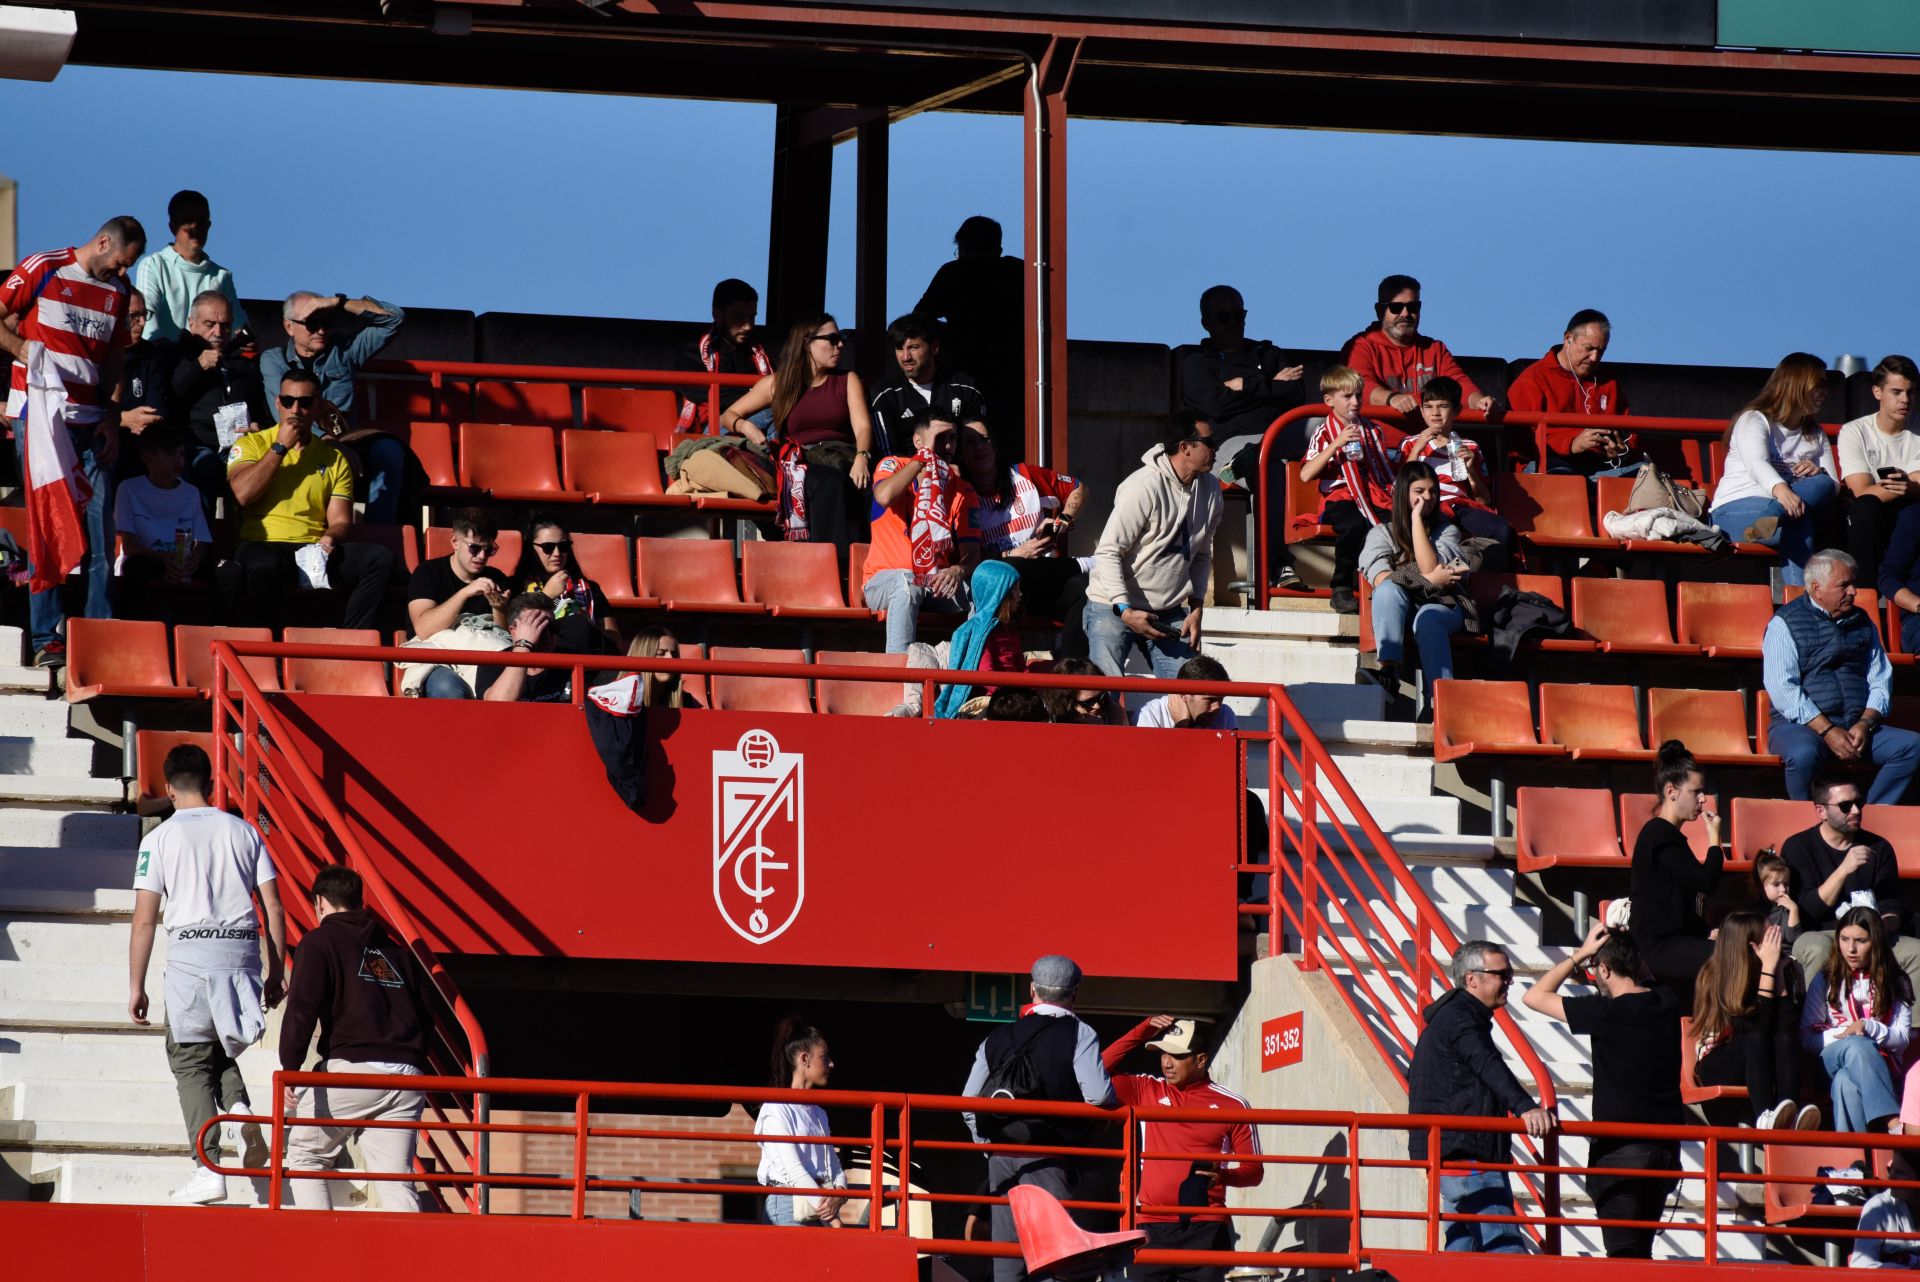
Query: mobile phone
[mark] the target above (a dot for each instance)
(1888, 473)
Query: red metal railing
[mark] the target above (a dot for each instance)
(890, 1136)
(440, 373)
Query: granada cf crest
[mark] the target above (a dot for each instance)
(759, 837)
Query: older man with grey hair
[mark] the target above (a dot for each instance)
(218, 394)
(1831, 684)
(1047, 1054)
(1458, 1071)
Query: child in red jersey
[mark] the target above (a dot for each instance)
(1466, 492)
(1354, 460)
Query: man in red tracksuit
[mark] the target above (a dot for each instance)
(1166, 1184)
(1395, 359)
(1567, 380)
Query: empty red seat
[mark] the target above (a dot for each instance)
(1565, 826)
(796, 580)
(1485, 718)
(120, 657)
(1599, 723)
(689, 574)
(759, 694)
(1725, 619)
(1637, 807)
(1691, 1092)
(630, 409)
(1712, 723)
(859, 698)
(603, 558)
(1626, 616)
(513, 462)
(193, 655)
(1303, 500)
(1762, 822)
(616, 467)
(150, 749)
(437, 541)
(550, 404)
(1900, 825)
(334, 676)
(1486, 589)
(1549, 511)
(432, 446)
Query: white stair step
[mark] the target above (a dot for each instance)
(1288, 662)
(95, 983)
(53, 868)
(61, 1135)
(79, 1015)
(68, 940)
(113, 904)
(19, 678)
(108, 1103)
(1341, 701)
(20, 755)
(67, 829)
(1395, 815)
(1313, 620)
(132, 1055)
(1374, 736)
(1382, 774)
(33, 716)
(132, 1180)
(1495, 922)
(73, 787)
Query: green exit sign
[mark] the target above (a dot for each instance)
(1856, 26)
(995, 999)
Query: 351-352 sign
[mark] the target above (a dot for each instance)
(1281, 1042)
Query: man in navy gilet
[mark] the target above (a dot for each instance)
(1831, 685)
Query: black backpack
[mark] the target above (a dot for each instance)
(1017, 1077)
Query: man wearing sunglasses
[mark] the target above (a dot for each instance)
(314, 324)
(463, 582)
(1395, 359)
(295, 491)
(1836, 865)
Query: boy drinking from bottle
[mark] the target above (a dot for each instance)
(1353, 459)
(1466, 495)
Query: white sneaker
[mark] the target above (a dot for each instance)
(1772, 1119)
(205, 1187)
(1808, 1118)
(244, 1139)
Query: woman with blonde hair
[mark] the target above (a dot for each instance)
(1744, 1017)
(660, 689)
(1779, 479)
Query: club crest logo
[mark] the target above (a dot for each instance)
(759, 837)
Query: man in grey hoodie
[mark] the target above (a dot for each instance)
(1151, 568)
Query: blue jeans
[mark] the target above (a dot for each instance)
(895, 592)
(1482, 1193)
(1895, 751)
(1862, 1087)
(46, 613)
(1433, 629)
(1794, 539)
(444, 683)
(1109, 641)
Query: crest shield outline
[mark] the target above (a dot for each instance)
(759, 836)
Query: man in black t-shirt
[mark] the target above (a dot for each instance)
(1836, 865)
(920, 386)
(462, 582)
(1635, 1032)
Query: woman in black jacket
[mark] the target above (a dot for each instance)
(1669, 885)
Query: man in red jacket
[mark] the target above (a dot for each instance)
(1395, 359)
(1167, 1186)
(1568, 380)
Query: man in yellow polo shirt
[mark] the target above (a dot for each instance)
(295, 491)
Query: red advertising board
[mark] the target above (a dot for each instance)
(1282, 1042)
(794, 839)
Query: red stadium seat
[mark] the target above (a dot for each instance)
(120, 657)
(620, 468)
(1789, 1202)
(1303, 500)
(193, 655)
(334, 676)
(1691, 1092)
(630, 409)
(759, 694)
(604, 559)
(549, 404)
(1626, 616)
(432, 446)
(1549, 511)
(1485, 718)
(859, 698)
(695, 683)
(1637, 807)
(795, 580)
(1486, 588)
(1896, 643)
(1712, 723)
(1571, 827)
(150, 749)
(1725, 619)
(689, 574)
(1612, 494)
(401, 540)
(1900, 825)
(1599, 723)
(437, 541)
(1760, 822)
(512, 462)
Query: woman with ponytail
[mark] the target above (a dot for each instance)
(1669, 885)
(1858, 1019)
(801, 1063)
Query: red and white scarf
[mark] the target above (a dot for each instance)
(1369, 478)
(793, 491)
(693, 415)
(931, 526)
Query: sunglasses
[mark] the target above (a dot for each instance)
(1394, 309)
(310, 323)
(1845, 805)
(1504, 976)
(1095, 704)
(836, 338)
(482, 549)
(290, 402)
(548, 549)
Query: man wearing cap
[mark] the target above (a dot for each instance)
(1064, 1054)
(1202, 1182)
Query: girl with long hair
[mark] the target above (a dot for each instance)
(1669, 886)
(659, 689)
(1416, 537)
(800, 1063)
(1744, 1022)
(582, 619)
(1779, 478)
(1858, 1018)
(822, 435)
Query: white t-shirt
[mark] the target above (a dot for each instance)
(1864, 448)
(1885, 1213)
(1762, 455)
(151, 516)
(206, 864)
(797, 1165)
(1156, 715)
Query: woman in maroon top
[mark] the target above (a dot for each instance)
(821, 426)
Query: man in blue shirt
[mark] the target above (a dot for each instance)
(311, 321)
(1831, 685)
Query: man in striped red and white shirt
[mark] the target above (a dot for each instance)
(72, 304)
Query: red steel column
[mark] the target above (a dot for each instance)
(1046, 250)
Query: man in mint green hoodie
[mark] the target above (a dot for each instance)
(171, 279)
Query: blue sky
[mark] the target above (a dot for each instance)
(491, 200)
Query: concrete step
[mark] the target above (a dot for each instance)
(1496, 922)
(112, 905)
(128, 1054)
(68, 1015)
(132, 1180)
(1382, 774)
(33, 716)
(108, 1103)
(1313, 619)
(78, 1136)
(1397, 815)
(102, 983)
(17, 678)
(68, 940)
(67, 829)
(1374, 736)
(22, 756)
(61, 788)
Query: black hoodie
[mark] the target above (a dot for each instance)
(196, 394)
(364, 988)
(1457, 1070)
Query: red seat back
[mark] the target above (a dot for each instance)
(1760, 822)
(334, 676)
(860, 698)
(1900, 825)
(508, 456)
(1486, 588)
(193, 655)
(125, 653)
(432, 446)
(1712, 723)
(150, 756)
(805, 575)
(1564, 825)
(759, 694)
(401, 540)
(686, 570)
(610, 462)
(550, 404)
(1587, 716)
(1724, 614)
(603, 558)
(1303, 497)
(1625, 611)
(1486, 712)
(1866, 598)
(630, 409)
(1549, 506)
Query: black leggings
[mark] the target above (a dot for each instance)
(1350, 528)
(836, 510)
(1767, 1064)
(1624, 1197)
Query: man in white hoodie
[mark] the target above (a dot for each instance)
(1150, 570)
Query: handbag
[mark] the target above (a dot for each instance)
(1653, 488)
(729, 469)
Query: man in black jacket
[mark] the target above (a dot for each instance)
(369, 997)
(921, 386)
(1458, 1071)
(1836, 865)
(215, 393)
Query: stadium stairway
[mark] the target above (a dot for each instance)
(88, 1111)
(1467, 877)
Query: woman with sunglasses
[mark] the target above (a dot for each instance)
(822, 434)
(582, 619)
(1082, 707)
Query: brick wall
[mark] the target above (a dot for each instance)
(675, 1159)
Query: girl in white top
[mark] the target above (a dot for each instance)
(1779, 465)
(800, 1062)
(1858, 1019)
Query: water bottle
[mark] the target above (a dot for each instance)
(1354, 449)
(182, 548)
(1456, 456)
